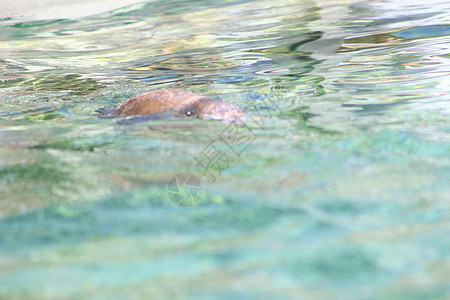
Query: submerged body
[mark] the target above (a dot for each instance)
(169, 103)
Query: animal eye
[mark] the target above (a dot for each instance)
(188, 111)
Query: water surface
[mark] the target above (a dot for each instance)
(336, 188)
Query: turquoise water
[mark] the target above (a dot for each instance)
(337, 187)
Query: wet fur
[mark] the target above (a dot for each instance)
(179, 103)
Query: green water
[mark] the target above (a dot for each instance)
(335, 188)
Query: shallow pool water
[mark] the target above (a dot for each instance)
(335, 187)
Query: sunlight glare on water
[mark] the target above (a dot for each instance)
(336, 188)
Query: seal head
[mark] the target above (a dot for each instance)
(179, 103)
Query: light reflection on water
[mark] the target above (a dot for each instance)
(343, 193)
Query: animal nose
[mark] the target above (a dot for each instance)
(223, 111)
